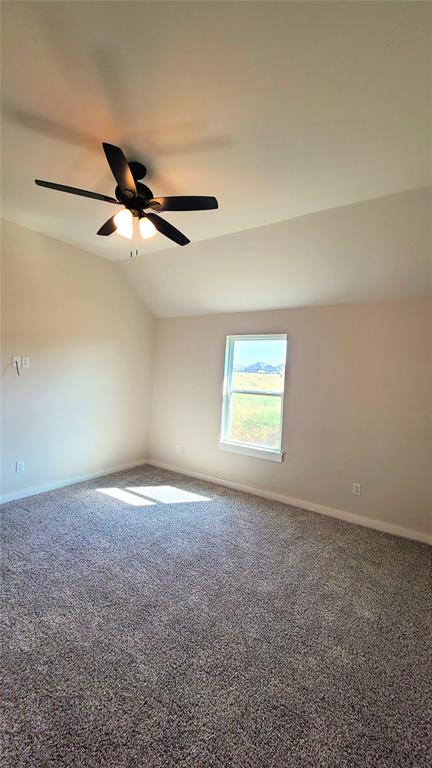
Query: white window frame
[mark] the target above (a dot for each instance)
(262, 452)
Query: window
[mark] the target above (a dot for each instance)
(253, 395)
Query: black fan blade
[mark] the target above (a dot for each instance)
(76, 191)
(167, 229)
(120, 168)
(108, 228)
(185, 203)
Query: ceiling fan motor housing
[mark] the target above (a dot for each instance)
(135, 203)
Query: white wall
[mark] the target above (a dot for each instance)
(82, 407)
(357, 408)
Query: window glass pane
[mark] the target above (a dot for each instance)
(259, 364)
(255, 420)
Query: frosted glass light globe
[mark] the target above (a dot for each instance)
(146, 228)
(124, 223)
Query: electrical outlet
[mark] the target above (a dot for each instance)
(179, 449)
(16, 361)
(356, 489)
(25, 362)
(19, 466)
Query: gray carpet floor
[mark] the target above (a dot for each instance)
(226, 632)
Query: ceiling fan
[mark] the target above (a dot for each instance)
(137, 200)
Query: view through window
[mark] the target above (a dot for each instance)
(254, 390)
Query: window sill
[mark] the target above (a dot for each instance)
(250, 450)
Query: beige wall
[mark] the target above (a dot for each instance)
(357, 407)
(82, 406)
(358, 391)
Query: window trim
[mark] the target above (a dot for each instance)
(250, 450)
(257, 451)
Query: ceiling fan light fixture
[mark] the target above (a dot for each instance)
(124, 223)
(147, 228)
(136, 197)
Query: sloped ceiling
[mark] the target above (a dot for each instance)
(378, 249)
(281, 110)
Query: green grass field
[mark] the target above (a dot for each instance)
(256, 418)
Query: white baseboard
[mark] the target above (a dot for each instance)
(340, 514)
(23, 493)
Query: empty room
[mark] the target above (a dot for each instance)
(216, 384)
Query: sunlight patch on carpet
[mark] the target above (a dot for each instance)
(167, 494)
(128, 498)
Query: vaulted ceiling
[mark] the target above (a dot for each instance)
(281, 110)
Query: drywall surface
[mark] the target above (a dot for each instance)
(357, 406)
(82, 406)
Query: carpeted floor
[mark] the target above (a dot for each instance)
(229, 632)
